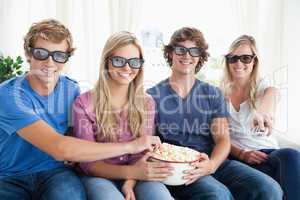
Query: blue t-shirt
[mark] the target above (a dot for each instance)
(20, 106)
(186, 122)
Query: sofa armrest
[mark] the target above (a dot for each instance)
(285, 142)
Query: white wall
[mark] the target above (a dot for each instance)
(291, 52)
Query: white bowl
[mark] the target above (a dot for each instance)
(177, 173)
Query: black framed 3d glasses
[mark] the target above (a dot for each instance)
(119, 62)
(193, 51)
(246, 59)
(43, 54)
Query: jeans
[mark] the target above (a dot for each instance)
(59, 184)
(102, 189)
(232, 180)
(284, 166)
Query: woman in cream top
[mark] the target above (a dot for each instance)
(252, 101)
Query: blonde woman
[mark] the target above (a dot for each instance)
(118, 110)
(251, 103)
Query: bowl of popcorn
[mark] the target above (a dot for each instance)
(180, 159)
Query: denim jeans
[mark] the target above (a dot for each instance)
(100, 188)
(58, 184)
(232, 180)
(284, 166)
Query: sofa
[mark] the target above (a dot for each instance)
(285, 142)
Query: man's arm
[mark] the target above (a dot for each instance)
(207, 166)
(220, 133)
(41, 135)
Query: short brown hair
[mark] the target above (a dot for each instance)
(183, 34)
(51, 30)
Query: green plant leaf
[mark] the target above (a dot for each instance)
(10, 68)
(19, 60)
(9, 61)
(18, 67)
(15, 65)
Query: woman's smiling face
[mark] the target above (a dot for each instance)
(240, 70)
(124, 75)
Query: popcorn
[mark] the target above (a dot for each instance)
(169, 152)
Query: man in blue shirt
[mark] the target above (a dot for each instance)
(194, 114)
(34, 117)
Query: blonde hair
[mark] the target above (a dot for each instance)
(227, 82)
(50, 30)
(106, 120)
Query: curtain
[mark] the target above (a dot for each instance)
(124, 15)
(90, 22)
(264, 21)
(15, 19)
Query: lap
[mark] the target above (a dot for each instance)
(206, 187)
(242, 179)
(151, 190)
(284, 161)
(101, 188)
(58, 184)
(14, 188)
(285, 154)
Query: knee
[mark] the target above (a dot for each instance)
(208, 188)
(90, 180)
(70, 188)
(96, 183)
(289, 155)
(75, 193)
(270, 189)
(101, 188)
(152, 190)
(224, 193)
(218, 192)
